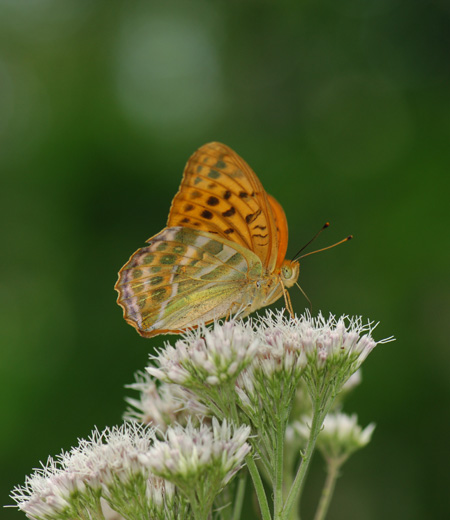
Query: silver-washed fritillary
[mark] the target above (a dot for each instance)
(222, 252)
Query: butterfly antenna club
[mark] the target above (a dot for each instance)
(296, 256)
(328, 247)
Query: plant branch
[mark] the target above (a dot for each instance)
(333, 466)
(259, 488)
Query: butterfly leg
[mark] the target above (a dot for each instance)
(287, 299)
(237, 310)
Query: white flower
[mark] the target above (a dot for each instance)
(162, 406)
(109, 466)
(323, 340)
(207, 356)
(334, 348)
(111, 454)
(191, 456)
(47, 492)
(344, 429)
(340, 435)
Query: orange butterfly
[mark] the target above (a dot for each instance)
(222, 252)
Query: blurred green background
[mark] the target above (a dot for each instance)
(342, 109)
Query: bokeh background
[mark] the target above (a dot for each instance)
(342, 109)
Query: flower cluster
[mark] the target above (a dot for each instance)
(73, 484)
(251, 373)
(200, 461)
(265, 390)
(124, 468)
(222, 391)
(268, 355)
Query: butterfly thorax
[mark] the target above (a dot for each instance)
(270, 288)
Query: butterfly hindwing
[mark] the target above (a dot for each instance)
(221, 194)
(184, 276)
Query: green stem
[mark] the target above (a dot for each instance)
(240, 494)
(296, 488)
(99, 510)
(199, 510)
(259, 488)
(333, 466)
(214, 408)
(279, 467)
(295, 508)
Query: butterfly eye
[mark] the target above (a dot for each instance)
(286, 272)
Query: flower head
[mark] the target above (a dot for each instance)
(200, 461)
(109, 467)
(205, 356)
(340, 436)
(49, 493)
(187, 453)
(163, 405)
(334, 348)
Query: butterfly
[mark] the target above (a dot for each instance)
(222, 252)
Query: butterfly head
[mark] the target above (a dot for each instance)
(289, 272)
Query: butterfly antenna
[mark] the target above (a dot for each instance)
(312, 239)
(306, 296)
(329, 247)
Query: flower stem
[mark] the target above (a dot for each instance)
(240, 493)
(279, 466)
(259, 488)
(318, 417)
(333, 466)
(200, 511)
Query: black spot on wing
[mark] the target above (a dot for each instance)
(252, 216)
(207, 214)
(212, 201)
(229, 212)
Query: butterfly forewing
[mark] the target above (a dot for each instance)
(221, 194)
(182, 277)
